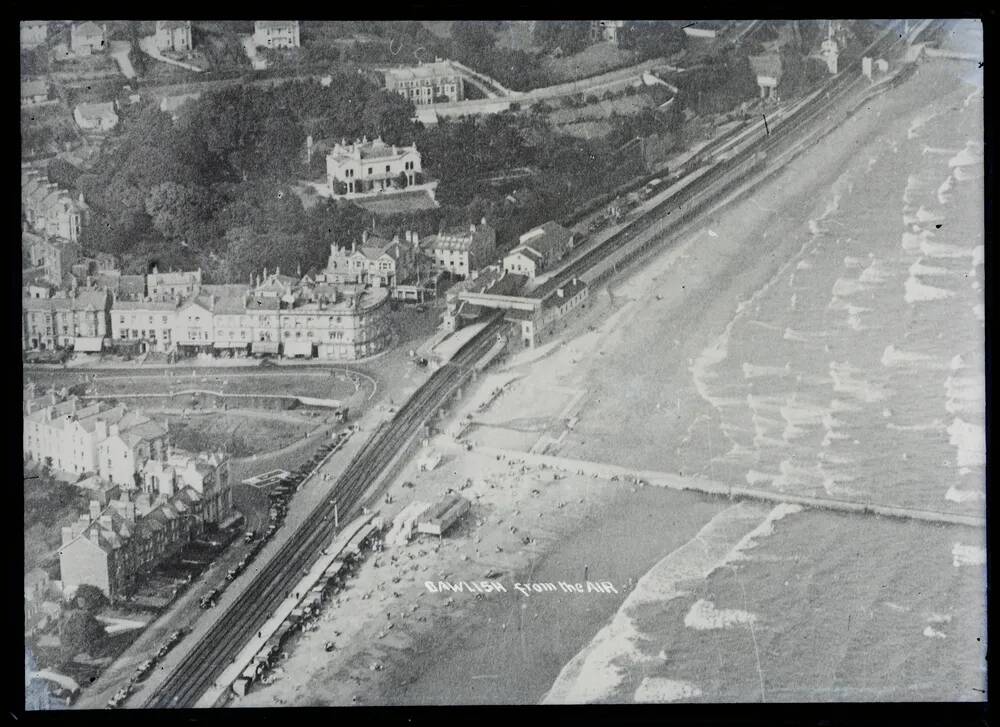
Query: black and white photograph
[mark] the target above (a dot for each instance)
(392, 363)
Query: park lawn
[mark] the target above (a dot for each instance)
(240, 434)
(592, 61)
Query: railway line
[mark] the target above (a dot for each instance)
(198, 669)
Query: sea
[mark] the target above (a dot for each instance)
(856, 372)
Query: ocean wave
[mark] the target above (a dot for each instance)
(970, 441)
(892, 357)
(846, 286)
(964, 395)
(954, 494)
(967, 555)
(704, 616)
(934, 633)
(942, 191)
(751, 371)
(917, 292)
(943, 250)
(846, 381)
(658, 690)
(601, 667)
(962, 174)
(922, 215)
(979, 311)
(913, 240)
(918, 268)
(965, 158)
(877, 272)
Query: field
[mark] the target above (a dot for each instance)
(48, 505)
(240, 433)
(592, 61)
(591, 121)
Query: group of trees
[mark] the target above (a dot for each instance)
(215, 185)
(652, 38)
(474, 43)
(722, 82)
(569, 36)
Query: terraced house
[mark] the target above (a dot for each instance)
(113, 548)
(462, 251)
(378, 261)
(48, 209)
(78, 320)
(426, 83)
(276, 33)
(173, 35)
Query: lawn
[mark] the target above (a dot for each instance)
(240, 433)
(592, 61)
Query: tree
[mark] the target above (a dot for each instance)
(90, 598)
(80, 631)
(401, 180)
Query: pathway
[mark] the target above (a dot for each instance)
(119, 51)
(148, 46)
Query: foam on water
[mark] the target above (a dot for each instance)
(922, 215)
(704, 616)
(942, 191)
(602, 666)
(933, 633)
(877, 272)
(979, 311)
(853, 262)
(892, 356)
(970, 441)
(846, 286)
(954, 494)
(942, 250)
(846, 381)
(751, 371)
(918, 268)
(964, 395)
(961, 174)
(658, 690)
(937, 150)
(967, 555)
(935, 426)
(913, 240)
(966, 157)
(917, 292)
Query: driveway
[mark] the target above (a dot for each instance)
(119, 51)
(148, 46)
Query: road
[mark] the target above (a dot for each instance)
(119, 51)
(253, 606)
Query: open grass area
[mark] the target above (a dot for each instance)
(240, 433)
(592, 61)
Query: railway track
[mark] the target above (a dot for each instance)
(724, 173)
(201, 666)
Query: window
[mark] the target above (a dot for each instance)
(369, 170)
(386, 168)
(121, 320)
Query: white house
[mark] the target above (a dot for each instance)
(96, 116)
(173, 35)
(371, 166)
(276, 33)
(87, 38)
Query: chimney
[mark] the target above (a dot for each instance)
(559, 292)
(113, 430)
(364, 237)
(94, 535)
(156, 270)
(128, 510)
(95, 510)
(105, 521)
(482, 221)
(277, 271)
(354, 246)
(81, 198)
(67, 535)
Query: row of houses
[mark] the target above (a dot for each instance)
(48, 209)
(427, 83)
(151, 498)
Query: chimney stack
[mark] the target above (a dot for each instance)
(559, 292)
(95, 510)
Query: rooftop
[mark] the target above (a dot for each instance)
(422, 71)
